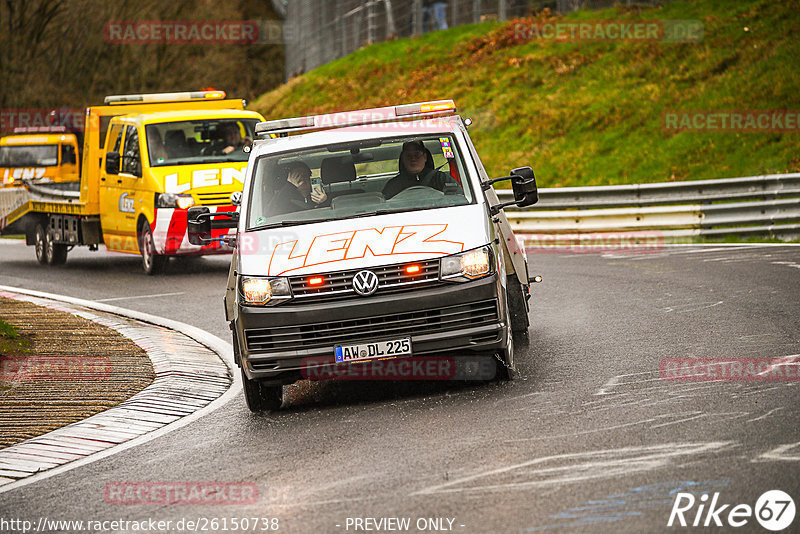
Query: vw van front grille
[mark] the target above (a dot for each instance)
(391, 279)
(432, 321)
(213, 199)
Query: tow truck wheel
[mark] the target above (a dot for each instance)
(152, 263)
(259, 397)
(55, 252)
(39, 244)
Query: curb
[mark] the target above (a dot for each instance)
(194, 377)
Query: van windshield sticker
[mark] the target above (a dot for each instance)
(447, 150)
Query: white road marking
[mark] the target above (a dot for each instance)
(615, 381)
(583, 432)
(670, 309)
(782, 453)
(141, 297)
(733, 415)
(578, 467)
(781, 362)
(765, 415)
(787, 263)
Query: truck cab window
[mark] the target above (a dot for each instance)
(132, 163)
(67, 154)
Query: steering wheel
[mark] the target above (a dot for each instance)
(418, 191)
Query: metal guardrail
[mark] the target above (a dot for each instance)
(766, 205)
(759, 205)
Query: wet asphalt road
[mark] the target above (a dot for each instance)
(590, 438)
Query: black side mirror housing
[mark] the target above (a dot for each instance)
(112, 163)
(523, 182)
(199, 223)
(198, 227)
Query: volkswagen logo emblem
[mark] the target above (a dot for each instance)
(365, 283)
(236, 198)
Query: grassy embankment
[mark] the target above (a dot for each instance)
(587, 113)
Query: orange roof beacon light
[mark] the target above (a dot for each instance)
(184, 96)
(357, 118)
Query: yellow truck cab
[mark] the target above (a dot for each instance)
(146, 159)
(157, 165)
(40, 155)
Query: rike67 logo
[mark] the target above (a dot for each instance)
(774, 510)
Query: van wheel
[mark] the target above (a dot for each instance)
(505, 364)
(518, 304)
(261, 398)
(55, 252)
(40, 245)
(152, 263)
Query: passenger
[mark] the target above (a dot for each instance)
(416, 169)
(297, 194)
(158, 152)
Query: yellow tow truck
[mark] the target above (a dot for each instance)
(146, 160)
(41, 155)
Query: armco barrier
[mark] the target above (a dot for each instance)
(759, 205)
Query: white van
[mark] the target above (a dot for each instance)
(369, 236)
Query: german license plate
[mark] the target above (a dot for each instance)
(378, 349)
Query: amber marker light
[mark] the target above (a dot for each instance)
(316, 281)
(413, 269)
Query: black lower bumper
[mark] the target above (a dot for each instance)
(279, 343)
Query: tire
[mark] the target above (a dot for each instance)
(40, 245)
(506, 370)
(152, 263)
(261, 398)
(56, 253)
(517, 304)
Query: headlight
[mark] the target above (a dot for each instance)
(265, 290)
(467, 265)
(172, 200)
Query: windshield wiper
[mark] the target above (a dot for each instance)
(382, 212)
(289, 223)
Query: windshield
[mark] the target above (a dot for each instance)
(28, 156)
(358, 179)
(200, 141)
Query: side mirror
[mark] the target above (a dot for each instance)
(112, 163)
(523, 182)
(198, 225)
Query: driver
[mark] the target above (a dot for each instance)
(416, 168)
(231, 138)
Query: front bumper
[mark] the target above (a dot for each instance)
(170, 235)
(459, 319)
